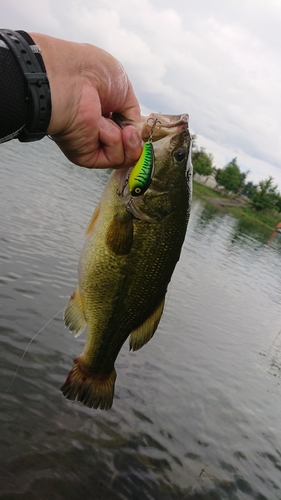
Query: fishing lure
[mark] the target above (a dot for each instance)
(143, 171)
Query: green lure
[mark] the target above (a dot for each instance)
(142, 173)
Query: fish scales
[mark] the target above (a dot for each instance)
(130, 252)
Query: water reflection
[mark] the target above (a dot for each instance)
(197, 411)
(207, 213)
(245, 228)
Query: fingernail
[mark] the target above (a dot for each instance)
(134, 138)
(105, 123)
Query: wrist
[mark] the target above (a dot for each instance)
(61, 74)
(37, 97)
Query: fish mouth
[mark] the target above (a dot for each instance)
(163, 125)
(158, 128)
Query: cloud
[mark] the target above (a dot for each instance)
(218, 61)
(31, 16)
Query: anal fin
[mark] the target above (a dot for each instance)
(73, 316)
(145, 332)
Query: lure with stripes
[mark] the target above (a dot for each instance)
(143, 171)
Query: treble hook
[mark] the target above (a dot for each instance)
(155, 120)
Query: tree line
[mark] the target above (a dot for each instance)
(262, 196)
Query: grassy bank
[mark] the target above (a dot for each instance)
(264, 218)
(202, 190)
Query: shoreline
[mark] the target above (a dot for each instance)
(223, 202)
(238, 207)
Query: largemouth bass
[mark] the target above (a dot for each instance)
(132, 246)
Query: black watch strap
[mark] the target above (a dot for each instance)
(37, 85)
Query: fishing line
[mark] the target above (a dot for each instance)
(28, 345)
(25, 351)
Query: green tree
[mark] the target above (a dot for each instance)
(231, 177)
(202, 162)
(278, 203)
(266, 195)
(249, 189)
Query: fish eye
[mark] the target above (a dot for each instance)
(180, 155)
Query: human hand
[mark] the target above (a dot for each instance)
(87, 85)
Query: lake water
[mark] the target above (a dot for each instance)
(197, 411)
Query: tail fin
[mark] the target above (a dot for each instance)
(94, 391)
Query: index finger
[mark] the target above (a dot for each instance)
(130, 108)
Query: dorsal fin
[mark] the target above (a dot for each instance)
(93, 220)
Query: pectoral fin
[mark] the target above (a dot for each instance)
(145, 332)
(120, 234)
(74, 317)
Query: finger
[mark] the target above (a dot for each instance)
(121, 148)
(131, 107)
(111, 152)
(132, 145)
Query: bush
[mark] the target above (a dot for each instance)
(266, 196)
(202, 162)
(231, 177)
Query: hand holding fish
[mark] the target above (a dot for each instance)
(87, 85)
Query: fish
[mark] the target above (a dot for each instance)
(132, 245)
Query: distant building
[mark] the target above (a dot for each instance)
(208, 180)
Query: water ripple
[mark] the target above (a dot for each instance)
(197, 411)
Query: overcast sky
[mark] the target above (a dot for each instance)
(217, 60)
